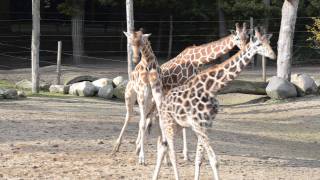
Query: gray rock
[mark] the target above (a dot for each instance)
(22, 94)
(102, 82)
(1, 93)
(106, 91)
(44, 86)
(62, 89)
(72, 79)
(279, 88)
(117, 80)
(119, 91)
(26, 84)
(11, 94)
(85, 88)
(304, 83)
(8, 94)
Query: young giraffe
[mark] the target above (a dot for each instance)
(194, 104)
(185, 66)
(138, 87)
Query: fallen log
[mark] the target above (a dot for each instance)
(245, 87)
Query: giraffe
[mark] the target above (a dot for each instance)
(184, 66)
(194, 104)
(138, 87)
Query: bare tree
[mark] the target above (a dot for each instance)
(222, 25)
(288, 21)
(130, 27)
(77, 30)
(35, 44)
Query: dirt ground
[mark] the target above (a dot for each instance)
(72, 137)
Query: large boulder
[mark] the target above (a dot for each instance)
(279, 88)
(119, 91)
(304, 83)
(102, 82)
(106, 91)
(9, 94)
(118, 80)
(72, 79)
(1, 93)
(62, 89)
(84, 88)
(26, 84)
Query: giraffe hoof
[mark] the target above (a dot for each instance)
(142, 162)
(168, 163)
(186, 158)
(115, 149)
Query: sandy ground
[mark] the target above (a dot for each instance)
(72, 137)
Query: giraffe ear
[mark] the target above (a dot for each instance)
(233, 32)
(126, 33)
(267, 36)
(146, 35)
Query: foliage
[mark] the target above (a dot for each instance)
(72, 7)
(315, 33)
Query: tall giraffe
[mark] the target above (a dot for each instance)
(184, 66)
(194, 104)
(138, 87)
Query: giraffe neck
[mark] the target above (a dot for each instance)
(154, 72)
(147, 53)
(217, 77)
(216, 49)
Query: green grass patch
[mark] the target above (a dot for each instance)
(48, 94)
(6, 84)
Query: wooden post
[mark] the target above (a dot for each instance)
(35, 44)
(170, 38)
(264, 73)
(130, 27)
(251, 28)
(59, 62)
(288, 22)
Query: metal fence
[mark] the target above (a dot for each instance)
(105, 42)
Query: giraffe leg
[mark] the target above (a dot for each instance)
(172, 156)
(130, 98)
(142, 101)
(212, 156)
(198, 160)
(185, 145)
(162, 148)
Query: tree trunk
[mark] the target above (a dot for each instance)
(130, 27)
(77, 31)
(288, 21)
(35, 44)
(245, 87)
(222, 27)
(266, 27)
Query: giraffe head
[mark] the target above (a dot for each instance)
(137, 40)
(261, 44)
(240, 35)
